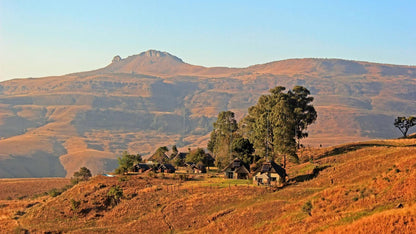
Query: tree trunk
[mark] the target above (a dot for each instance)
(284, 161)
(405, 132)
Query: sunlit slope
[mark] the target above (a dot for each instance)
(154, 98)
(367, 186)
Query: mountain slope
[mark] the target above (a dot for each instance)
(152, 99)
(366, 187)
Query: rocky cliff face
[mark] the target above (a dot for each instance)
(152, 99)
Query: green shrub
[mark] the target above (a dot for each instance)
(75, 204)
(123, 178)
(114, 195)
(83, 174)
(54, 192)
(307, 208)
(151, 174)
(183, 177)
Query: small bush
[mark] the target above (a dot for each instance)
(74, 181)
(355, 198)
(123, 178)
(114, 195)
(183, 177)
(362, 193)
(151, 174)
(99, 186)
(54, 192)
(20, 213)
(75, 204)
(307, 208)
(66, 187)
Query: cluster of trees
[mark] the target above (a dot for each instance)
(272, 129)
(127, 161)
(198, 156)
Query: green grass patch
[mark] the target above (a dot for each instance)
(353, 217)
(358, 215)
(307, 169)
(223, 183)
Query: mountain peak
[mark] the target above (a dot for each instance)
(158, 54)
(151, 62)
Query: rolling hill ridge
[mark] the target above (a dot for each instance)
(52, 126)
(364, 187)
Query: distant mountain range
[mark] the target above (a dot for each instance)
(52, 126)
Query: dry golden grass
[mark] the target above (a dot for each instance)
(92, 159)
(357, 190)
(15, 188)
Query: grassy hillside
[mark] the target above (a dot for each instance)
(367, 187)
(137, 102)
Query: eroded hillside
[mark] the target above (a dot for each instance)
(144, 101)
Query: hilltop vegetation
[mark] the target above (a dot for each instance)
(364, 187)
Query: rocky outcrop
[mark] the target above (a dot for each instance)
(116, 58)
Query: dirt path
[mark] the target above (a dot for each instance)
(165, 219)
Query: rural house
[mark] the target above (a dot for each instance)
(196, 168)
(167, 168)
(269, 173)
(236, 170)
(141, 167)
(159, 157)
(180, 155)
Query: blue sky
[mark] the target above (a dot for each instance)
(40, 38)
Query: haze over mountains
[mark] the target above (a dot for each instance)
(52, 126)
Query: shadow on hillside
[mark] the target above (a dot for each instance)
(349, 148)
(315, 173)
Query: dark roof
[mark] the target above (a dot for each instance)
(237, 165)
(241, 170)
(182, 155)
(157, 157)
(271, 167)
(200, 166)
(142, 166)
(168, 166)
(190, 164)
